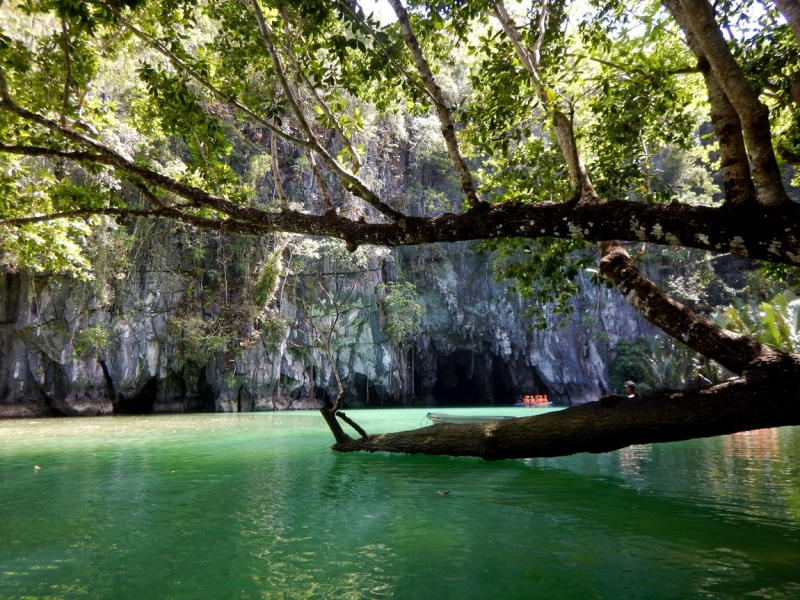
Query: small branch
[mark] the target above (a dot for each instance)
(106, 156)
(442, 110)
(397, 65)
(276, 171)
(346, 141)
(52, 153)
(562, 124)
(336, 429)
(541, 25)
(321, 183)
(352, 424)
(320, 102)
(182, 66)
(629, 69)
(266, 35)
(77, 214)
(67, 71)
(350, 181)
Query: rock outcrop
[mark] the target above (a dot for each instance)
(61, 353)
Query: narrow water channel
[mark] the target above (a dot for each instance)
(257, 506)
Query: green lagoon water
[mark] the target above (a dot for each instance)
(257, 506)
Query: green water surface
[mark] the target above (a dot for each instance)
(257, 506)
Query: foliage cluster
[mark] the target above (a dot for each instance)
(775, 323)
(93, 339)
(402, 309)
(196, 341)
(659, 362)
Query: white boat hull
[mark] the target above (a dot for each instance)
(445, 418)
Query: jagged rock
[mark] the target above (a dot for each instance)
(473, 347)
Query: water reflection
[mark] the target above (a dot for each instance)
(632, 459)
(256, 506)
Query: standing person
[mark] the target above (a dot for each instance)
(630, 390)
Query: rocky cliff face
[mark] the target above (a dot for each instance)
(476, 343)
(61, 352)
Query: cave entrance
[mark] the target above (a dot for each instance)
(140, 404)
(466, 378)
(365, 392)
(502, 382)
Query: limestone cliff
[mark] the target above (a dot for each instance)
(473, 346)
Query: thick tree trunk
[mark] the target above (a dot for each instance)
(766, 395)
(790, 9)
(736, 178)
(753, 114)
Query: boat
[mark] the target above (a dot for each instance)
(445, 418)
(537, 401)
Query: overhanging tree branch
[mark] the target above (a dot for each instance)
(614, 422)
(759, 232)
(731, 350)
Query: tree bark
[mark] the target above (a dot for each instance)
(731, 350)
(766, 395)
(448, 127)
(753, 114)
(736, 179)
(790, 9)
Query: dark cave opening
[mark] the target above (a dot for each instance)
(465, 378)
(205, 391)
(365, 393)
(140, 404)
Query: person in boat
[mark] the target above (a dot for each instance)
(630, 390)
